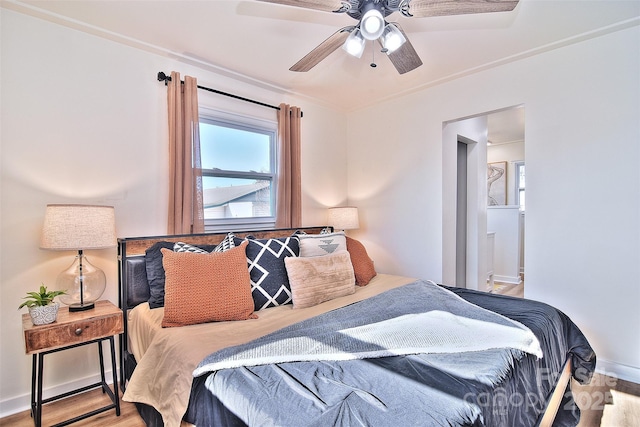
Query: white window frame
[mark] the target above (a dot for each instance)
(251, 124)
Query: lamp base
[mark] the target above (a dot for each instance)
(83, 284)
(81, 307)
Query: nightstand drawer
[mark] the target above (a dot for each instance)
(73, 328)
(72, 333)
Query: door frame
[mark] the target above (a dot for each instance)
(473, 132)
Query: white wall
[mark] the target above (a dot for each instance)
(583, 199)
(84, 120)
(510, 152)
(505, 222)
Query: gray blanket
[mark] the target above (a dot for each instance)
(419, 318)
(416, 320)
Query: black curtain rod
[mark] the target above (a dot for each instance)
(162, 77)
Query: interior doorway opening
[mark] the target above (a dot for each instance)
(469, 146)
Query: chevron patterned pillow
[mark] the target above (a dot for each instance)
(269, 280)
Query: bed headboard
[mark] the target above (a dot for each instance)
(133, 286)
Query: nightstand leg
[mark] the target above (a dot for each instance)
(116, 392)
(123, 374)
(34, 367)
(38, 416)
(101, 365)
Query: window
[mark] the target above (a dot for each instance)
(238, 171)
(520, 184)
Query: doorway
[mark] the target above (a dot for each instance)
(463, 247)
(469, 144)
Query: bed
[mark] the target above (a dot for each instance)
(356, 347)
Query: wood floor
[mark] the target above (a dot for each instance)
(56, 412)
(606, 402)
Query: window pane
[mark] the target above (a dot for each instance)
(236, 198)
(521, 176)
(233, 149)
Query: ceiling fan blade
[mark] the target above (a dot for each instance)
(427, 8)
(323, 50)
(338, 6)
(405, 58)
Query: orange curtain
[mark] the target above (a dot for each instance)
(186, 213)
(289, 199)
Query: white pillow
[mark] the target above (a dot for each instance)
(322, 244)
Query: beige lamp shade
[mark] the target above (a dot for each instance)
(75, 227)
(343, 218)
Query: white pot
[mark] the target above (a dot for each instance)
(43, 315)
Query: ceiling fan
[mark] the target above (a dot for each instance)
(372, 25)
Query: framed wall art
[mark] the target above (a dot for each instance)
(497, 184)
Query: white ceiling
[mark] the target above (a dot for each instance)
(259, 41)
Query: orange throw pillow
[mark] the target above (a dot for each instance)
(362, 264)
(204, 288)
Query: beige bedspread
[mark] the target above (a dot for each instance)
(167, 357)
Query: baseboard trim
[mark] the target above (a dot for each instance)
(618, 370)
(23, 402)
(513, 280)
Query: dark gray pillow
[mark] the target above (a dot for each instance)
(155, 273)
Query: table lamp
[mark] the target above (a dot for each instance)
(343, 218)
(79, 227)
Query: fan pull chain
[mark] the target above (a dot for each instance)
(373, 54)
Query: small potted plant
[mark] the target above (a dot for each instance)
(42, 309)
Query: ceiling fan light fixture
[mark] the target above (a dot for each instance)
(372, 24)
(354, 45)
(392, 38)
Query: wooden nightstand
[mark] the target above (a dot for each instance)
(69, 331)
